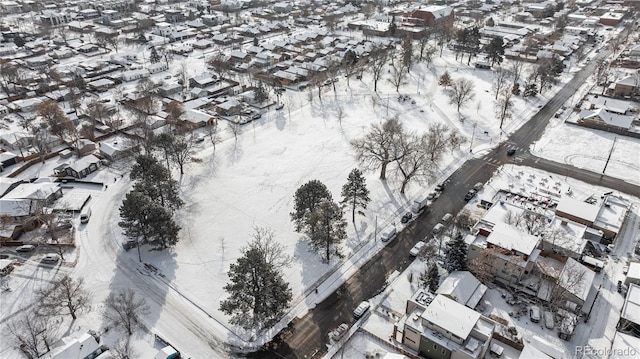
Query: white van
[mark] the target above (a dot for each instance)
(438, 228)
(388, 234)
(361, 309)
(84, 217)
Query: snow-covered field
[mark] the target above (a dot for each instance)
(250, 182)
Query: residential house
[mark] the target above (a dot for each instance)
(80, 346)
(445, 329)
(157, 67)
(462, 287)
(83, 167)
(7, 184)
(230, 107)
(626, 86)
(116, 148)
(629, 322)
(7, 159)
(133, 75)
(633, 274)
(512, 251)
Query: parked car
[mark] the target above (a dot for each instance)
(388, 234)
(472, 193)
(511, 152)
(619, 286)
(548, 319)
(84, 217)
(438, 227)
(50, 258)
(478, 186)
(279, 106)
(534, 314)
(406, 217)
(432, 196)
(361, 309)
(446, 218)
(439, 188)
(339, 332)
(417, 249)
(25, 248)
(256, 116)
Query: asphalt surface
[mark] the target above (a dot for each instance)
(308, 336)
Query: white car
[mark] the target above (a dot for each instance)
(50, 258)
(446, 218)
(417, 249)
(361, 309)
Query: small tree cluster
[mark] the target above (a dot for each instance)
(456, 254)
(318, 217)
(415, 157)
(146, 213)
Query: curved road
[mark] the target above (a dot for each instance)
(307, 337)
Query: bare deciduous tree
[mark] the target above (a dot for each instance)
(274, 253)
(124, 350)
(462, 92)
(124, 309)
(235, 129)
(64, 297)
(378, 148)
(32, 333)
(500, 80)
(516, 69)
(398, 73)
(377, 59)
(181, 151)
(503, 105)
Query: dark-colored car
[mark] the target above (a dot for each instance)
(407, 216)
(619, 286)
(511, 152)
(439, 188)
(472, 193)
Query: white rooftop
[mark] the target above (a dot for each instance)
(634, 270)
(33, 191)
(508, 237)
(451, 316)
(578, 208)
(623, 345)
(631, 307)
(462, 287)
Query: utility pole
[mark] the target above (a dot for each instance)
(610, 152)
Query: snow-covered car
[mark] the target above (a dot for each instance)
(339, 332)
(548, 319)
(50, 258)
(534, 314)
(25, 248)
(417, 248)
(361, 309)
(478, 186)
(446, 218)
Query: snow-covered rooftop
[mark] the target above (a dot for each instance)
(631, 308)
(451, 316)
(577, 208)
(508, 237)
(462, 287)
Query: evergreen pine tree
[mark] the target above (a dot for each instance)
(154, 57)
(326, 227)
(530, 89)
(433, 278)
(355, 193)
(258, 294)
(445, 80)
(306, 199)
(456, 254)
